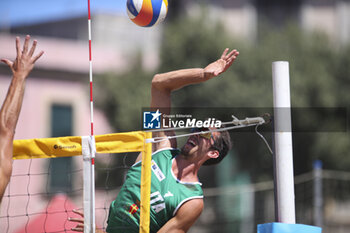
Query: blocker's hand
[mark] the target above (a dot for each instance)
(218, 67)
(80, 222)
(24, 62)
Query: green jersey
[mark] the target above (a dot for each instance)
(167, 195)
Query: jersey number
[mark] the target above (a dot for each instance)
(157, 202)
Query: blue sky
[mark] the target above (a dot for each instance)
(14, 12)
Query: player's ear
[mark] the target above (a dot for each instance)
(213, 154)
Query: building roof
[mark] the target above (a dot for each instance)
(67, 55)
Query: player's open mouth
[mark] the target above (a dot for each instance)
(191, 142)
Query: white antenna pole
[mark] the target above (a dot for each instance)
(284, 178)
(89, 160)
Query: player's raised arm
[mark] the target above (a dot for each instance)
(174, 80)
(20, 67)
(163, 85)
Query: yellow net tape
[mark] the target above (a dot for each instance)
(120, 142)
(71, 146)
(107, 143)
(46, 148)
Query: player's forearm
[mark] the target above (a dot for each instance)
(5, 161)
(12, 105)
(5, 166)
(3, 184)
(177, 79)
(5, 175)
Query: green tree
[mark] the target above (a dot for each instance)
(122, 97)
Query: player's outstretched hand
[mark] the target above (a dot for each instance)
(80, 222)
(221, 65)
(25, 60)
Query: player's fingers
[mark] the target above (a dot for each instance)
(78, 229)
(79, 220)
(231, 60)
(25, 46)
(18, 47)
(224, 53)
(38, 56)
(78, 212)
(7, 62)
(32, 49)
(232, 53)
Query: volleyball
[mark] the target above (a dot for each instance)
(147, 13)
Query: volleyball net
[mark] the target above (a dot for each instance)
(29, 208)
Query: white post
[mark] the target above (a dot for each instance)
(284, 178)
(88, 152)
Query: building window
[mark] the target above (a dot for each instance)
(60, 176)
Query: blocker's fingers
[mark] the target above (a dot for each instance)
(31, 52)
(79, 220)
(26, 42)
(79, 228)
(78, 212)
(18, 47)
(38, 56)
(7, 62)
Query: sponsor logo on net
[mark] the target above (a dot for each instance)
(155, 119)
(64, 147)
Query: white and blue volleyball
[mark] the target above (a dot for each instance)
(147, 13)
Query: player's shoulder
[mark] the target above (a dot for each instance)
(167, 152)
(196, 202)
(193, 207)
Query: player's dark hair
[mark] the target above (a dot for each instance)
(223, 144)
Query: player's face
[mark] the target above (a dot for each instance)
(198, 144)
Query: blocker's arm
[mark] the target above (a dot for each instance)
(20, 67)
